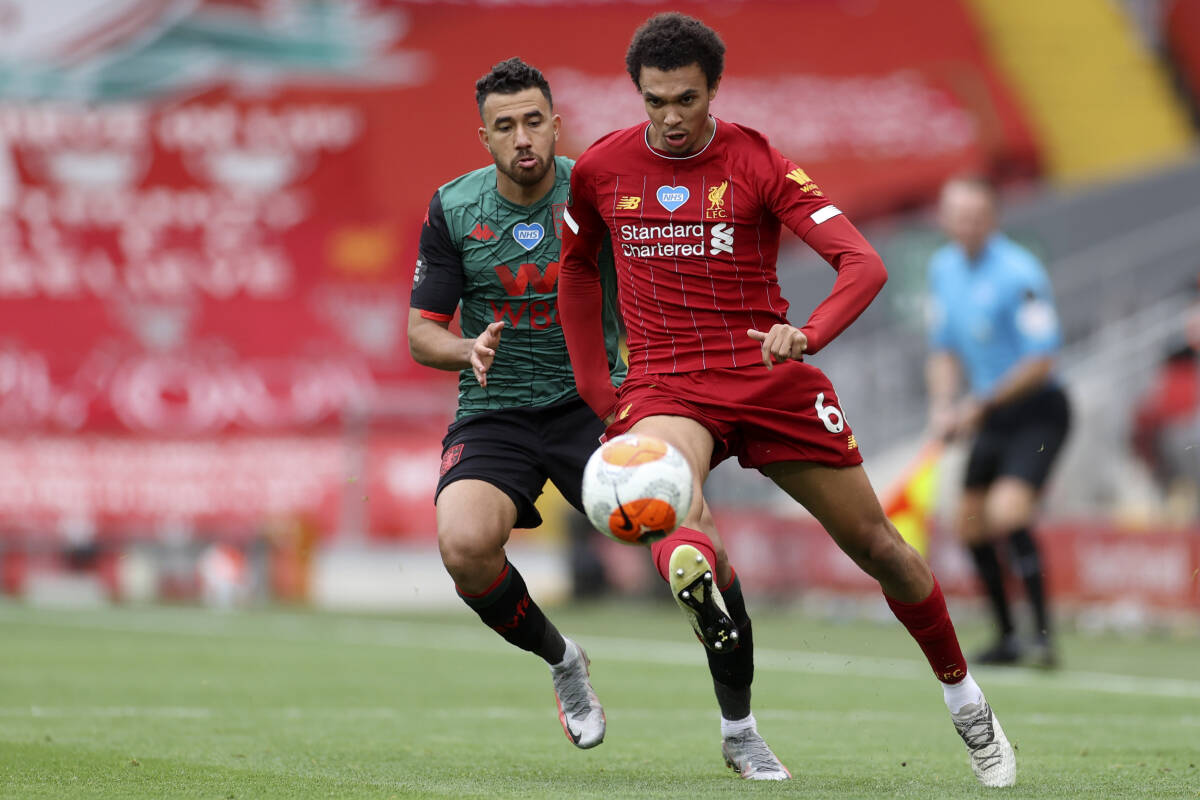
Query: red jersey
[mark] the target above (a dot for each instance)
(695, 239)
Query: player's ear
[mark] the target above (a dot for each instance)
(712, 90)
(483, 138)
(556, 121)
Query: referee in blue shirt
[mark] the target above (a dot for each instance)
(992, 322)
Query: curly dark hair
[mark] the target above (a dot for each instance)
(510, 77)
(673, 40)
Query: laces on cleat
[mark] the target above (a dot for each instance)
(992, 757)
(747, 754)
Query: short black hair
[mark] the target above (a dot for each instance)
(509, 77)
(673, 40)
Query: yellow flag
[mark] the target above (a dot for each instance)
(909, 501)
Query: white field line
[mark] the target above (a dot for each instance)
(1045, 719)
(300, 629)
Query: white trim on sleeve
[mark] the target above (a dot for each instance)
(571, 223)
(822, 214)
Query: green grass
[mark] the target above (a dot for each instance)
(165, 703)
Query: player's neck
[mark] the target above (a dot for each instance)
(521, 195)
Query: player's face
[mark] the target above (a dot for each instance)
(967, 215)
(519, 130)
(677, 103)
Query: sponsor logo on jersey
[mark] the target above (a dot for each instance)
(722, 239)
(806, 183)
(528, 235)
(531, 312)
(625, 411)
(716, 202)
(516, 283)
(672, 197)
(661, 240)
(419, 273)
(851, 442)
(629, 202)
(482, 233)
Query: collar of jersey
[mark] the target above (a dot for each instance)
(661, 154)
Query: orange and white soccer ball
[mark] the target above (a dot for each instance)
(637, 488)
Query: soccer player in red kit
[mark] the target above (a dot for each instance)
(694, 207)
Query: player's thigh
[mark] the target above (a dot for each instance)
(691, 439)
(844, 502)
(474, 517)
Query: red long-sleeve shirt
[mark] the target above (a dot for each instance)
(695, 240)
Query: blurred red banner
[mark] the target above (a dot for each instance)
(112, 488)
(1092, 563)
(209, 208)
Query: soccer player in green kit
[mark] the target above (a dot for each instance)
(490, 246)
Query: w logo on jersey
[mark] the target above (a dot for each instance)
(722, 239)
(515, 285)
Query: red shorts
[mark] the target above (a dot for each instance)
(787, 413)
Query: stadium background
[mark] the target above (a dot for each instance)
(208, 221)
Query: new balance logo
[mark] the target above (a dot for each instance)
(722, 239)
(482, 233)
(629, 203)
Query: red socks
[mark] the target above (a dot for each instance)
(929, 623)
(661, 550)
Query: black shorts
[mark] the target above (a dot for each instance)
(1020, 440)
(517, 449)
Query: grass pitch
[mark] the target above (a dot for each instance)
(166, 703)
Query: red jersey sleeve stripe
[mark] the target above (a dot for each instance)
(436, 317)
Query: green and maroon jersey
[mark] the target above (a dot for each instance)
(499, 261)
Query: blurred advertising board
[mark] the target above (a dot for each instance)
(1089, 564)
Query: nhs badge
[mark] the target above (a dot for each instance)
(529, 235)
(672, 197)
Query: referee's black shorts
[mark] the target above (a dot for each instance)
(1020, 440)
(517, 449)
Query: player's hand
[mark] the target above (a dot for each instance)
(483, 351)
(781, 343)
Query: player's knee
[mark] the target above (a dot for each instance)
(884, 553)
(467, 553)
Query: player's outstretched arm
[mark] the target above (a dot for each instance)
(432, 344)
(861, 274)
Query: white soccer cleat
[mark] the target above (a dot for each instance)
(992, 756)
(698, 597)
(579, 709)
(748, 755)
